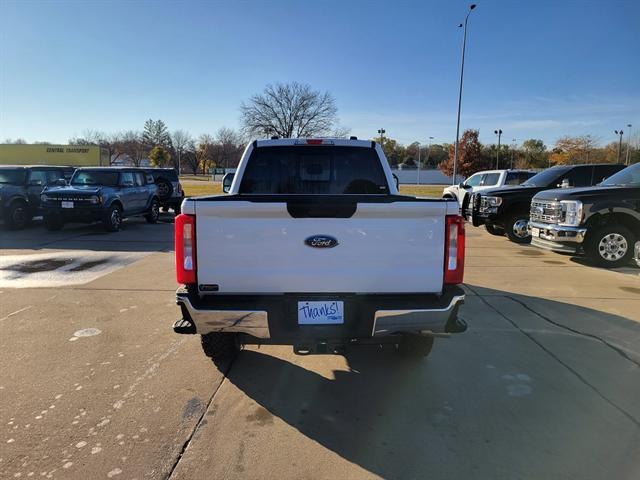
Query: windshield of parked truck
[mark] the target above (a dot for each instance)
(93, 177)
(628, 176)
(546, 178)
(318, 170)
(13, 176)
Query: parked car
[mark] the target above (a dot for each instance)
(170, 192)
(20, 189)
(506, 210)
(603, 221)
(314, 247)
(486, 180)
(107, 194)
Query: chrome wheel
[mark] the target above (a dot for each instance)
(520, 228)
(613, 247)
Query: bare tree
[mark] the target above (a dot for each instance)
(289, 110)
(228, 148)
(205, 152)
(180, 140)
(130, 143)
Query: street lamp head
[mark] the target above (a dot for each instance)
(495, 131)
(460, 25)
(616, 132)
(472, 6)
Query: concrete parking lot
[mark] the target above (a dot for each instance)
(94, 383)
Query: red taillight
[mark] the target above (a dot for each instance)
(454, 250)
(185, 243)
(314, 141)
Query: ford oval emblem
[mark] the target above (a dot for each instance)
(321, 241)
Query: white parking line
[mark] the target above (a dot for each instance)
(16, 312)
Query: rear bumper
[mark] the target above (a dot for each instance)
(274, 317)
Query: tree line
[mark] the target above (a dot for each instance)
(473, 156)
(292, 110)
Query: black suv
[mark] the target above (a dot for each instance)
(107, 194)
(506, 210)
(170, 191)
(602, 221)
(20, 189)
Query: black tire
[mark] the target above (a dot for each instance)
(516, 228)
(17, 216)
(154, 212)
(165, 189)
(113, 219)
(610, 246)
(493, 230)
(414, 345)
(177, 208)
(220, 346)
(53, 223)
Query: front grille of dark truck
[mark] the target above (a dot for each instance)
(547, 212)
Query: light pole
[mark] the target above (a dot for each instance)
(418, 162)
(626, 162)
(381, 132)
(464, 45)
(513, 150)
(499, 134)
(619, 143)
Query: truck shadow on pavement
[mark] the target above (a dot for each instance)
(519, 368)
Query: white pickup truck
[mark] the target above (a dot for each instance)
(314, 247)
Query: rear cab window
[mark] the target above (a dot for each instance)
(490, 179)
(317, 170)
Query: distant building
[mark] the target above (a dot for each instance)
(41, 154)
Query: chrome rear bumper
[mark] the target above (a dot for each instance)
(432, 320)
(272, 317)
(251, 322)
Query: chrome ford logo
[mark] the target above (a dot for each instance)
(321, 241)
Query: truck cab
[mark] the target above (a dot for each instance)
(601, 221)
(485, 180)
(314, 247)
(506, 210)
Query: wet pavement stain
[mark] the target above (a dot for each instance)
(261, 416)
(88, 265)
(39, 265)
(192, 408)
(530, 253)
(630, 289)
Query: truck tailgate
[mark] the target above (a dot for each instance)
(258, 247)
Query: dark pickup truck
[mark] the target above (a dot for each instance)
(102, 194)
(506, 210)
(20, 189)
(602, 221)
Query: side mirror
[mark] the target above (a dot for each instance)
(464, 186)
(35, 183)
(397, 180)
(126, 184)
(61, 182)
(565, 183)
(227, 180)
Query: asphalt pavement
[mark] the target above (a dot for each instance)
(95, 384)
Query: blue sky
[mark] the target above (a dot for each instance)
(535, 69)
